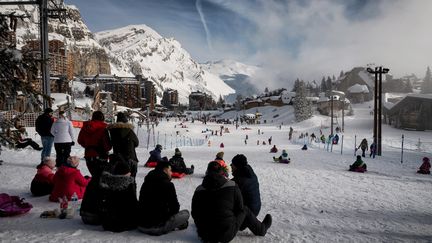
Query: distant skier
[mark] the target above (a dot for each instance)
(290, 133)
(270, 140)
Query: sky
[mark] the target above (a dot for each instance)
(290, 39)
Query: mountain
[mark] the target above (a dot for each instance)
(138, 49)
(236, 75)
(87, 56)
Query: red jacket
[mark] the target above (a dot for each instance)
(44, 174)
(95, 139)
(68, 180)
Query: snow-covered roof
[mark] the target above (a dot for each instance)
(366, 78)
(358, 88)
(59, 99)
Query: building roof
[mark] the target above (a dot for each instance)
(358, 88)
(410, 97)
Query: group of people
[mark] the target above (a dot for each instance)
(220, 207)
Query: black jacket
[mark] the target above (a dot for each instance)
(217, 209)
(177, 164)
(248, 183)
(157, 200)
(119, 206)
(43, 125)
(124, 140)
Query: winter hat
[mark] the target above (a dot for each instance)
(73, 161)
(161, 165)
(284, 151)
(158, 146)
(121, 117)
(177, 152)
(50, 162)
(358, 157)
(239, 161)
(220, 155)
(48, 110)
(214, 168)
(121, 168)
(425, 159)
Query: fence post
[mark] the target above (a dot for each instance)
(342, 144)
(402, 148)
(165, 141)
(419, 145)
(355, 145)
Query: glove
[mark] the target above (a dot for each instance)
(73, 143)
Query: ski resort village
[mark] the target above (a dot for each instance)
(215, 121)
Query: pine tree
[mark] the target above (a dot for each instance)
(221, 102)
(296, 85)
(266, 90)
(329, 85)
(323, 85)
(427, 83)
(341, 74)
(302, 106)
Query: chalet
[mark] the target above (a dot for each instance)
(359, 76)
(412, 112)
(358, 93)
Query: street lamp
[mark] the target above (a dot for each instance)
(377, 131)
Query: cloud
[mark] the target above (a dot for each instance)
(309, 39)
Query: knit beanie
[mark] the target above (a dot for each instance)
(220, 155)
(239, 161)
(425, 159)
(177, 152)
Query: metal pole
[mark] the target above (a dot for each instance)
(343, 115)
(402, 148)
(379, 124)
(375, 108)
(46, 85)
(355, 145)
(342, 144)
(331, 104)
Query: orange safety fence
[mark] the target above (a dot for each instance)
(77, 124)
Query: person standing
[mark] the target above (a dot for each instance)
(364, 146)
(158, 204)
(124, 141)
(63, 138)
(95, 139)
(218, 210)
(43, 126)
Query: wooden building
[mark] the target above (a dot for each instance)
(412, 112)
(359, 76)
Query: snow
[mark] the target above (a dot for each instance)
(229, 67)
(358, 88)
(366, 78)
(59, 99)
(313, 199)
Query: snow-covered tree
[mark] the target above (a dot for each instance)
(302, 106)
(296, 85)
(427, 83)
(17, 69)
(323, 85)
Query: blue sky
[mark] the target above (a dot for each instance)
(295, 38)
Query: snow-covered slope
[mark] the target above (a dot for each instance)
(138, 49)
(236, 75)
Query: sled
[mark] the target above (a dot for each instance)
(13, 205)
(177, 175)
(283, 161)
(151, 164)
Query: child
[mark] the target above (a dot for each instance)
(178, 165)
(273, 149)
(358, 166)
(43, 182)
(425, 167)
(283, 158)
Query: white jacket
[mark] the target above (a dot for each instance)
(63, 131)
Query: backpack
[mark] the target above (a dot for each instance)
(13, 205)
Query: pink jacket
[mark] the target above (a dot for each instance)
(44, 174)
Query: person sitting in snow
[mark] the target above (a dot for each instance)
(247, 181)
(120, 204)
(21, 141)
(218, 209)
(43, 182)
(158, 204)
(358, 166)
(425, 167)
(178, 165)
(304, 147)
(273, 149)
(220, 160)
(283, 158)
(69, 180)
(155, 156)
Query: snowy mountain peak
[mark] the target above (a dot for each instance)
(138, 49)
(230, 67)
